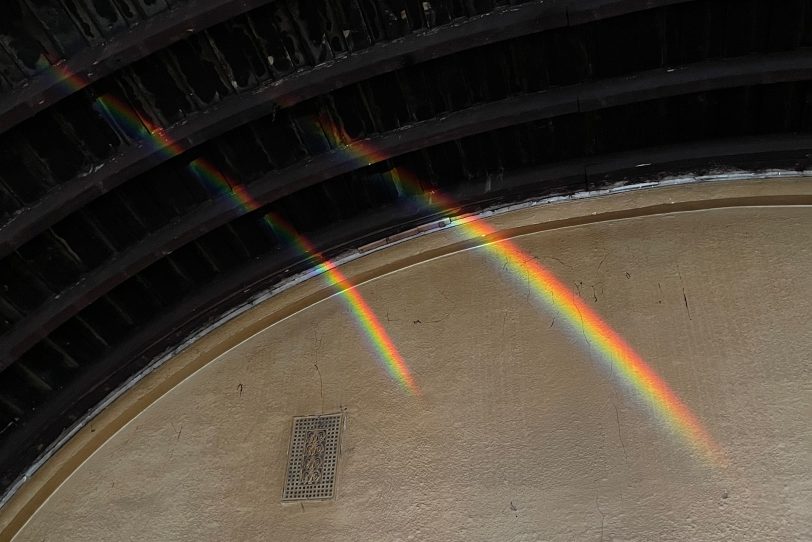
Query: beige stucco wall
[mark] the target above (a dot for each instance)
(519, 432)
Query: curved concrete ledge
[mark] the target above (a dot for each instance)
(92, 433)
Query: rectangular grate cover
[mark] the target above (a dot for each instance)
(312, 458)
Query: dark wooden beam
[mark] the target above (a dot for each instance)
(237, 110)
(579, 98)
(93, 63)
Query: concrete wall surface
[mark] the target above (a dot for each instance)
(521, 425)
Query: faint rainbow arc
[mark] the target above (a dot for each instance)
(375, 332)
(138, 127)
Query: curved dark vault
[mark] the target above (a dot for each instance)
(114, 251)
(99, 43)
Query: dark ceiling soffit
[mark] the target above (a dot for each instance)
(171, 328)
(587, 11)
(238, 110)
(161, 31)
(588, 97)
(93, 63)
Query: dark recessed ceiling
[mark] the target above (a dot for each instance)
(115, 246)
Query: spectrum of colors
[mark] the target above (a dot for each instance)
(613, 350)
(616, 354)
(370, 324)
(137, 127)
(372, 327)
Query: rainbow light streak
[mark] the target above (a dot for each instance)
(373, 329)
(139, 128)
(615, 353)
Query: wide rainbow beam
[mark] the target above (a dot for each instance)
(139, 128)
(615, 353)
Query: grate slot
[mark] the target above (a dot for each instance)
(312, 458)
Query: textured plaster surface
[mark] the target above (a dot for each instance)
(519, 433)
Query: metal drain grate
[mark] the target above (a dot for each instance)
(312, 458)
